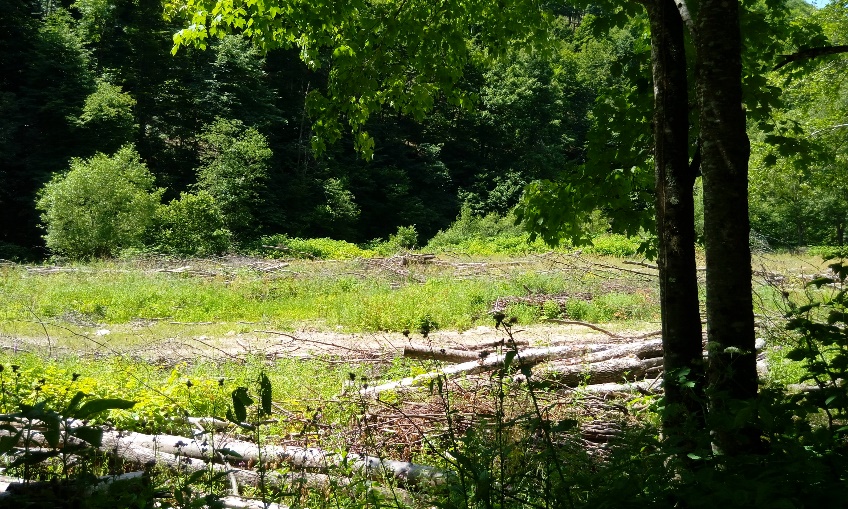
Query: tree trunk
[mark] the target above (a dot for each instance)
(675, 204)
(732, 369)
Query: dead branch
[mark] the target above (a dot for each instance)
(641, 264)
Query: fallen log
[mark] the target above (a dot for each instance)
(612, 370)
(208, 448)
(526, 358)
(642, 350)
(640, 387)
(145, 457)
(233, 502)
(440, 354)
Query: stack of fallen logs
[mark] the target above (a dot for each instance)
(220, 454)
(597, 367)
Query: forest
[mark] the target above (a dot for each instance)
(232, 135)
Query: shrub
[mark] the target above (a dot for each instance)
(235, 171)
(406, 238)
(100, 206)
(827, 252)
(191, 226)
(469, 226)
(614, 245)
(284, 246)
(485, 236)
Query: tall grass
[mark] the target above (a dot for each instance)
(352, 295)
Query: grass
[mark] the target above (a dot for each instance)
(138, 299)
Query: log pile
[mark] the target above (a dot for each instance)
(605, 365)
(244, 463)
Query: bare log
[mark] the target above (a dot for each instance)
(644, 350)
(135, 446)
(640, 387)
(233, 502)
(439, 354)
(205, 448)
(613, 370)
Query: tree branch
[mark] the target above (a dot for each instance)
(686, 16)
(810, 53)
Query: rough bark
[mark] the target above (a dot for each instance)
(489, 363)
(675, 209)
(609, 371)
(140, 455)
(730, 318)
(439, 354)
(312, 458)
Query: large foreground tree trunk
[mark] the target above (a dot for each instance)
(725, 150)
(681, 320)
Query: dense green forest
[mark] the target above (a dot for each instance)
(197, 152)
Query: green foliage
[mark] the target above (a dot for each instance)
(107, 117)
(283, 246)
(191, 226)
(100, 206)
(234, 173)
(827, 252)
(614, 245)
(822, 347)
(404, 239)
(484, 236)
(338, 209)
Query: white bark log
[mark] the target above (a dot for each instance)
(489, 363)
(608, 371)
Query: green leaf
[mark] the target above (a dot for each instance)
(34, 458)
(798, 354)
(92, 435)
(508, 358)
(265, 393)
(820, 281)
(52, 430)
(241, 400)
(102, 405)
(7, 443)
(73, 404)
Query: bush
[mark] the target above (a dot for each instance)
(405, 239)
(323, 249)
(485, 236)
(191, 226)
(827, 252)
(469, 226)
(235, 172)
(100, 206)
(614, 245)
